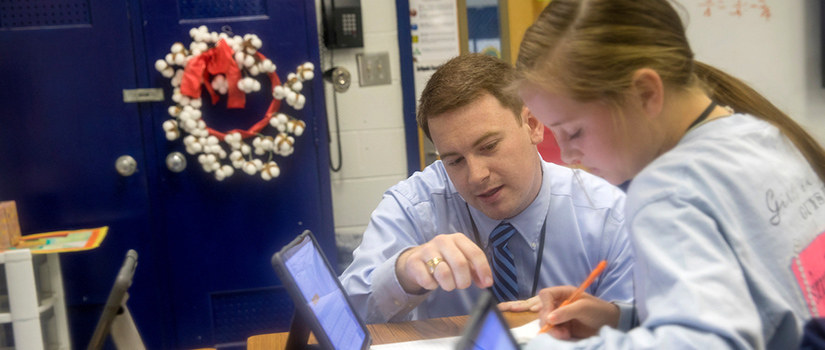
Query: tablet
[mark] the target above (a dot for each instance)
(487, 329)
(116, 301)
(321, 305)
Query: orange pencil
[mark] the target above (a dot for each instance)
(598, 270)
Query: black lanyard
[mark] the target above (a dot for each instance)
(540, 253)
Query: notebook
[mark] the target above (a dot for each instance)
(321, 304)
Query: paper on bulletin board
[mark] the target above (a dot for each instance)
(63, 241)
(434, 30)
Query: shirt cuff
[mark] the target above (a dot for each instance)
(627, 316)
(399, 303)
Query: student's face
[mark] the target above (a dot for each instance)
(490, 158)
(584, 131)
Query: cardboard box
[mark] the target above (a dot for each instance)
(9, 225)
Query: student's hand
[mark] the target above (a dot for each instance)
(533, 304)
(579, 319)
(462, 263)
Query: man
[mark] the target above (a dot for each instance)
(489, 210)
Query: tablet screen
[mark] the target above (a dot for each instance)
(493, 334)
(323, 295)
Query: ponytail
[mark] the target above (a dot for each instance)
(728, 90)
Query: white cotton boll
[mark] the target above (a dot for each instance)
(256, 42)
(160, 65)
(177, 48)
(176, 96)
(219, 175)
(215, 166)
(256, 85)
(279, 92)
(214, 37)
(308, 66)
(168, 72)
(297, 86)
(282, 118)
(193, 32)
(184, 101)
(174, 111)
(228, 170)
(179, 58)
(249, 61)
(221, 153)
(267, 143)
(250, 50)
(306, 73)
(257, 142)
(212, 140)
(259, 151)
(258, 164)
(299, 129)
(281, 127)
(203, 28)
(249, 168)
(186, 114)
(239, 57)
(291, 77)
(245, 149)
(202, 159)
(169, 59)
(299, 104)
(254, 70)
(235, 156)
(188, 140)
(291, 96)
(267, 66)
(169, 125)
(196, 103)
(190, 124)
(172, 135)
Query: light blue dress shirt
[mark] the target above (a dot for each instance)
(584, 226)
(717, 224)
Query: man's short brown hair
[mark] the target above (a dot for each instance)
(461, 81)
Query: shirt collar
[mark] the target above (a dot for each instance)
(528, 222)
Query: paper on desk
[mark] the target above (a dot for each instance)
(447, 343)
(525, 333)
(522, 334)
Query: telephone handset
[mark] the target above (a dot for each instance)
(342, 23)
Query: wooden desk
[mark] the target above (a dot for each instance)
(398, 332)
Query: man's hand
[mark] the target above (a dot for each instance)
(462, 263)
(533, 304)
(579, 319)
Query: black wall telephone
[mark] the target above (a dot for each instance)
(342, 23)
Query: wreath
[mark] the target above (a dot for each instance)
(226, 64)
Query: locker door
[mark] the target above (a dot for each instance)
(63, 124)
(219, 235)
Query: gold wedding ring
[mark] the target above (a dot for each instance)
(432, 263)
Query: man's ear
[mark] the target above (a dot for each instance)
(535, 127)
(649, 91)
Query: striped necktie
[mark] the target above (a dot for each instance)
(505, 280)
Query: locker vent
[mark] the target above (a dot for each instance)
(237, 315)
(43, 13)
(198, 9)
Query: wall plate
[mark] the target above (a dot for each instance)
(373, 68)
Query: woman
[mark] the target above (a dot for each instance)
(726, 208)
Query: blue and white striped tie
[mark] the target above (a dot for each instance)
(505, 280)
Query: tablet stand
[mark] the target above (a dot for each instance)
(299, 334)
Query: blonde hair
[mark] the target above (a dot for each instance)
(461, 81)
(590, 49)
